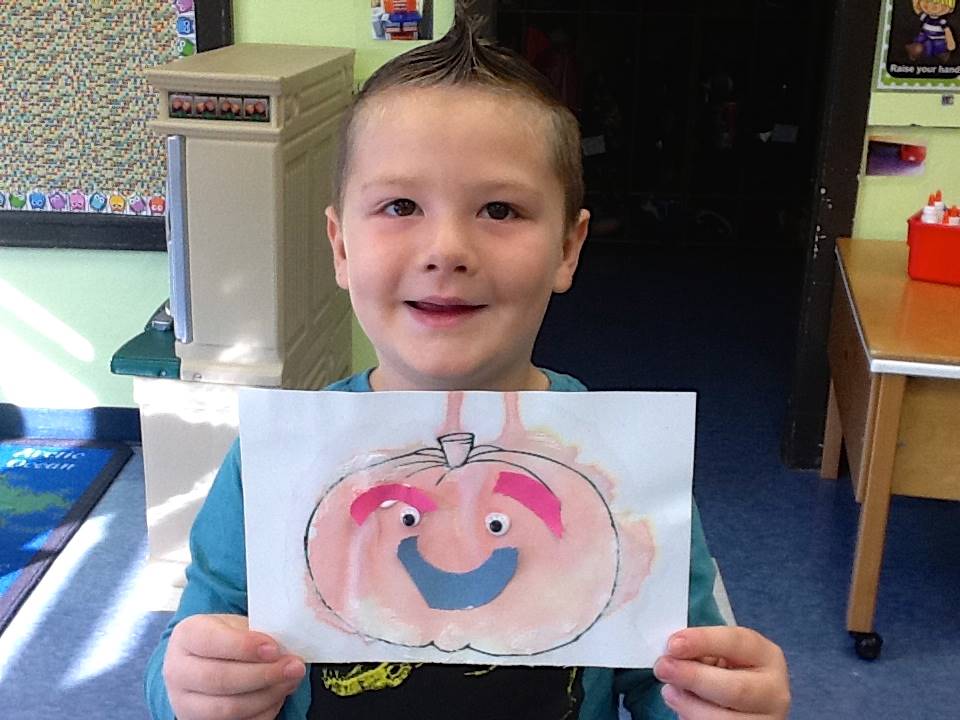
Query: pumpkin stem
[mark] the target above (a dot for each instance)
(456, 448)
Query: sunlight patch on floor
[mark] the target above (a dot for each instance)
(31, 615)
(117, 631)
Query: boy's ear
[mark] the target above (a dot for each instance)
(335, 234)
(572, 245)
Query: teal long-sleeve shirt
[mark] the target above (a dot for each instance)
(217, 583)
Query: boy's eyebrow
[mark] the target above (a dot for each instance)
(388, 180)
(369, 500)
(486, 186)
(533, 495)
(508, 186)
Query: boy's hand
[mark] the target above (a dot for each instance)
(216, 668)
(724, 673)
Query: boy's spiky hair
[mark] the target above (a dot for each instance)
(462, 58)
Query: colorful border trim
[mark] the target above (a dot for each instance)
(77, 201)
(186, 27)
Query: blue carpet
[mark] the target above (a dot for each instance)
(47, 487)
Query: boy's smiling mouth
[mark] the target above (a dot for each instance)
(443, 311)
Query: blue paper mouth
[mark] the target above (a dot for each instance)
(458, 591)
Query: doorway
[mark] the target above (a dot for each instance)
(700, 119)
(711, 131)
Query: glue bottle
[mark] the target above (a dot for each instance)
(939, 205)
(930, 215)
(953, 216)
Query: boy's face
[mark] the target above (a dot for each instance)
(452, 237)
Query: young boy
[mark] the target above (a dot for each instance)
(457, 215)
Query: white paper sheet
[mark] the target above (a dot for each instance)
(539, 528)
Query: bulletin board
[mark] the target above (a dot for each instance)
(920, 49)
(75, 149)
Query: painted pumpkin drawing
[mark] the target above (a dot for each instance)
(508, 548)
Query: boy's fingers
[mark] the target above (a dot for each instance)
(737, 646)
(743, 690)
(688, 705)
(230, 677)
(225, 637)
(239, 707)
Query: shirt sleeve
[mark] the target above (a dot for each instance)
(216, 577)
(640, 689)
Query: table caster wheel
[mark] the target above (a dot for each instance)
(867, 645)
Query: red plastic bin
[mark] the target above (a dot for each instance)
(934, 251)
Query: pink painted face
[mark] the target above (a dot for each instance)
(504, 551)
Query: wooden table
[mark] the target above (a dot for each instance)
(894, 352)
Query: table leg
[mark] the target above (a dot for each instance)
(832, 438)
(876, 505)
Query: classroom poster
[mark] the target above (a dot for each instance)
(920, 46)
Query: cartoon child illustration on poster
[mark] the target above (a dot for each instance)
(402, 19)
(935, 38)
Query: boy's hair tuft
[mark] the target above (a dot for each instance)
(463, 58)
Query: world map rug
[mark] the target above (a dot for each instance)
(47, 488)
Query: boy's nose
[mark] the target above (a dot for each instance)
(449, 250)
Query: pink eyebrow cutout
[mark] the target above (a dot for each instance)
(534, 495)
(371, 499)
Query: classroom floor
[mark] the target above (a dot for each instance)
(709, 321)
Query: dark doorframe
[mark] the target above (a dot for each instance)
(846, 101)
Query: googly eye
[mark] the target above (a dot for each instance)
(497, 523)
(410, 517)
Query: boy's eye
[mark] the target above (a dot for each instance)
(498, 211)
(401, 208)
